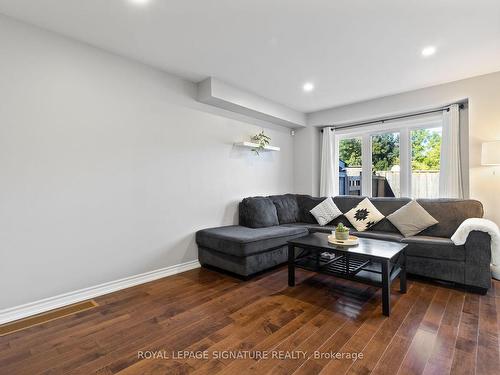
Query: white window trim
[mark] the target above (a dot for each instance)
(404, 128)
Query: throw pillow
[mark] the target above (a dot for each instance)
(326, 211)
(411, 219)
(364, 215)
(259, 212)
(306, 204)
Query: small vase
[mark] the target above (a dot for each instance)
(342, 236)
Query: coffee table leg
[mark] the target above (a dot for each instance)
(386, 289)
(402, 275)
(291, 265)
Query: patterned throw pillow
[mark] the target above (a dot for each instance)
(364, 215)
(326, 211)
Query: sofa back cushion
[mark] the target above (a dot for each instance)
(450, 213)
(411, 219)
(258, 212)
(345, 203)
(286, 207)
(386, 206)
(306, 203)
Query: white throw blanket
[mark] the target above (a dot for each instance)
(482, 225)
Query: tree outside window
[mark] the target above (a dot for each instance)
(426, 150)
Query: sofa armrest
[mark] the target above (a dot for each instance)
(477, 260)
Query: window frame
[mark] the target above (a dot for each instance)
(404, 128)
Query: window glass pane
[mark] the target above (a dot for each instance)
(350, 166)
(425, 162)
(385, 165)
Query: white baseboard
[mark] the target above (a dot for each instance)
(46, 304)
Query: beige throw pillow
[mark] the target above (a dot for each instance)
(326, 211)
(364, 215)
(411, 219)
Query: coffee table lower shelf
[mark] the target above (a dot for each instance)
(360, 270)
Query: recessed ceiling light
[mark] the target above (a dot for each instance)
(428, 51)
(139, 2)
(308, 87)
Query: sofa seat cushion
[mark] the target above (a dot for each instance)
(243, 241)
(434, 247)
(377, 235)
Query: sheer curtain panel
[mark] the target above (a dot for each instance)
(450, 175)
(329, 179)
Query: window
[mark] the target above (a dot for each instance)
(402, 159)
(425, 162)
(350, 166)
(385, 165)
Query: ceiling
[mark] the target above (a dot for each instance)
(352, 50)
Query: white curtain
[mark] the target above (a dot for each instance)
(329, 179)
(450, 176)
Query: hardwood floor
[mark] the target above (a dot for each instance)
(432, 330)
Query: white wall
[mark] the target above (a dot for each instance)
(307, 161)
(483, 94)
(108, 167)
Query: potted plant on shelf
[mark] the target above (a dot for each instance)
(261, 140)
(341, 232)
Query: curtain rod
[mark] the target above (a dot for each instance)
(383, 120)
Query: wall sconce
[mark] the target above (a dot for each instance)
(490, 153)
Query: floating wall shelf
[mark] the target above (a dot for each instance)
(255, 145)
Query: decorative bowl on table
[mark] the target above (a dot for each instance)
(351, 241)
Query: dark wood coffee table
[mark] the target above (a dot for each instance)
(373, 262)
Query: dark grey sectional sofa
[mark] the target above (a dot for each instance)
(267, 223)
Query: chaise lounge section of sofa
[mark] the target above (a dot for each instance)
(259, 242)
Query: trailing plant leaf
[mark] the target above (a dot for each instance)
(262, 140)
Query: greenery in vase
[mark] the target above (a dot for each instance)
(341, 228)
(262, 140)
